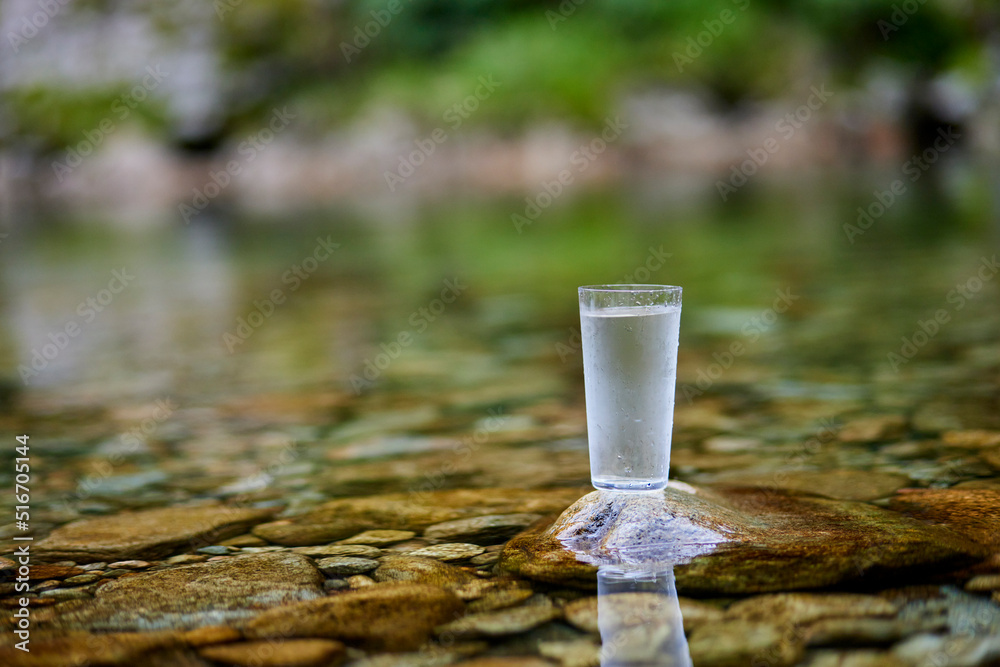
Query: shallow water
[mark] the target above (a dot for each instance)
(285, 361)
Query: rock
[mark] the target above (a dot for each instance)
(738, 643)
(974, 439)
(448, 553)
(185, 559)
(974, 513)
(873, 429)
(66, 594)
(983, 582)
(376, 618)
(330, 550)
(345, 565)
(421, 570)
(214, 550)
(149, 534)
(41, 571)
(501, 598)
(246, 540)
(966, 650)
(573, 653)
(80, 579)
(125, 649)
(867, 631)
(228, 592)
(488, 558)
(210, 634)
(288, 653)
(360, 581)
(582, 613)
(514, 661)
(490, 529)
(804, 608)
(734, 541)
(131, 564)
(341, 519)
(852, 659)
(380, 538)
(498, 623)
(843, 484)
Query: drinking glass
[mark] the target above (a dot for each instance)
(629, 335)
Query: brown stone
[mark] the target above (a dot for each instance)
(421, 570)
(286, 653)
(149, 534)
(210, 634)
(385, 617)
(125, 649)
(974, 513)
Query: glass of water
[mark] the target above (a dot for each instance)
(629, 335)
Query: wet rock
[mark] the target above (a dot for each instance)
(149, 534)
(421, 570)
(210, 634)
(380, 538)
(288, 653)
(448, 553)
(499, 623)
(246, 540)
(973, 439)
(214, 550)
(488, 558)
(490, 529)
(330, 550)
(582, 613)
(341, 519)
(983, 582)
(974, 513)
(66, 594)
(807, 607)
(125, 649)
(360, 581)
(42, 571)
(185, 559)
(830, 658)
(131, 565)
(966, 650)
(345, 565)
(228, 592)
(81, 579)
(737, 643)
(376, 618)
(867, 631)
(841, 484)
(745, 540)
(514, 661)
(572, 653)
(501, 598)
(873, 429)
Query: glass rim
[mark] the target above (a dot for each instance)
(633, 287)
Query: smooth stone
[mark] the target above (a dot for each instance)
(488, 558)
(147, 535)
(514, 661)
(210, 634)
(983, 582)
(340, 519)
(94, 566)
(288, 653)
(246, 540)
(107, 650)
(448, 552)
(66, 594)
(582, 612)
(421, 570)
(214, 550)
(79, 579)
(864, 658)
(380, 538)
(738, 643)
(867, 631)
(41, 571)
(808, 607)
(490, 529)
(873, 429)
(229, 592)
(499, 599)
(840, 484)
(376, 618)
(973, 439)
(331, 550)
(345, 565)
(131, 564)
(360, 581)
(185, 559)
(498, 623)
(965, 650)
(572, 653)
(734, 541)
(974, 513)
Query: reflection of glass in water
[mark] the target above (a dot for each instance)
(640, 617)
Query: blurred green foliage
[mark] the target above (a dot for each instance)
(554, 60)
